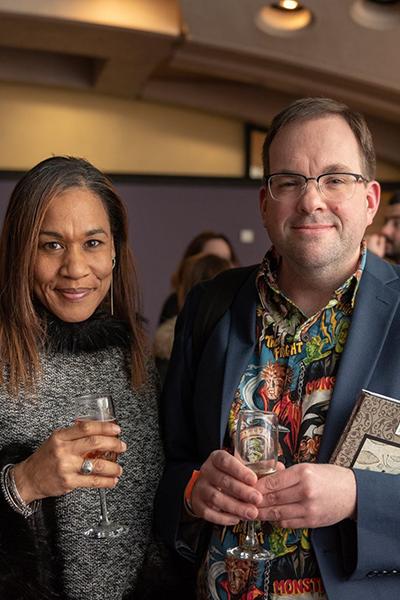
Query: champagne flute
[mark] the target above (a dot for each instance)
(95, 407)
(256, 446)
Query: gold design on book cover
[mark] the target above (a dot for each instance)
(370, 439)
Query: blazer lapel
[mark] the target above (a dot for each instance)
(223, 361)
(240, 345)
(375, 306)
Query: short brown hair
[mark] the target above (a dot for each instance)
(308, 109)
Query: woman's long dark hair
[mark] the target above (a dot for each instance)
(21, 332)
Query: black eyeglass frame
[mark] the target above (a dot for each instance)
(357, 176)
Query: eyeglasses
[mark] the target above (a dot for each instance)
(288, 187)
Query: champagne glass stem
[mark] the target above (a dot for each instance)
(250, 540)
(104, 513)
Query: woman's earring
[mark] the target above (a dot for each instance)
(113, 262)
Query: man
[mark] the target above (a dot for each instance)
(388, 242)
(328, 311)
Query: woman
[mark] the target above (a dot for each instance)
(192, 270)
(206, 242)
(70, 325)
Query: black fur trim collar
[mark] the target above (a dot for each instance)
(99, 332)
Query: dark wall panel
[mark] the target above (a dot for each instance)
(6, 187)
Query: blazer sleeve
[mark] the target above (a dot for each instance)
(370, 547)
(378, 527)
(180, 438)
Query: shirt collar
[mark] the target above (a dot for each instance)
(266, 280)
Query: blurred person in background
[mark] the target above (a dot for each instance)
(208, 242)
(387, 243)
(199, 267)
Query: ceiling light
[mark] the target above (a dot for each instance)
(376, 14)
(284, 19)
(288, 4)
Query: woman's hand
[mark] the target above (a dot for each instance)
(55, 468)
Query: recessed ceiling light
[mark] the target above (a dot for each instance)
(283, 19)
(376, 14)
(288, 4)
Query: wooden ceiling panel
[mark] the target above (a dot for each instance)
(77, 38)
(48, 68)
(108, 60)
(282, 76)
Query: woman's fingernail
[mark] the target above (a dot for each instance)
(251, 513)
(116, 428)
(254, 498)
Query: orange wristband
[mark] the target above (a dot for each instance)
(189, 487)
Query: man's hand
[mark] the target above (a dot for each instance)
(308, 495)
(224, 492)
(376, 243)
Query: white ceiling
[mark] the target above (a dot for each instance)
(210, 55)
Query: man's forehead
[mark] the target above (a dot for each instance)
(328, 138)
(321, 121)
(392, 211)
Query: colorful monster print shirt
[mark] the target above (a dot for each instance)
(292, 372)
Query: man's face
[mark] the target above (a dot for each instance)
(391, 231)
(273, 386)
(312, 232)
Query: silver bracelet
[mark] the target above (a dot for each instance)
(11, 494)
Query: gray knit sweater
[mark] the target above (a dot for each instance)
(94, 569)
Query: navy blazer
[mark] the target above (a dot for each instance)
(357, 561)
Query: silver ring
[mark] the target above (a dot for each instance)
(87, 467)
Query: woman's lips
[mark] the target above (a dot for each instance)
(74, 294)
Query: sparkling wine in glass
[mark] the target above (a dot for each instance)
(256, 446)
(95, 407)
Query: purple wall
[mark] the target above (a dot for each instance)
(6, 187)
(165, 215)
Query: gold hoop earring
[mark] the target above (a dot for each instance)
(113, 262)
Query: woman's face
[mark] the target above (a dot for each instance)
(73, 265)
(218, 247)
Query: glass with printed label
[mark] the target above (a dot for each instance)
(256, 446)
